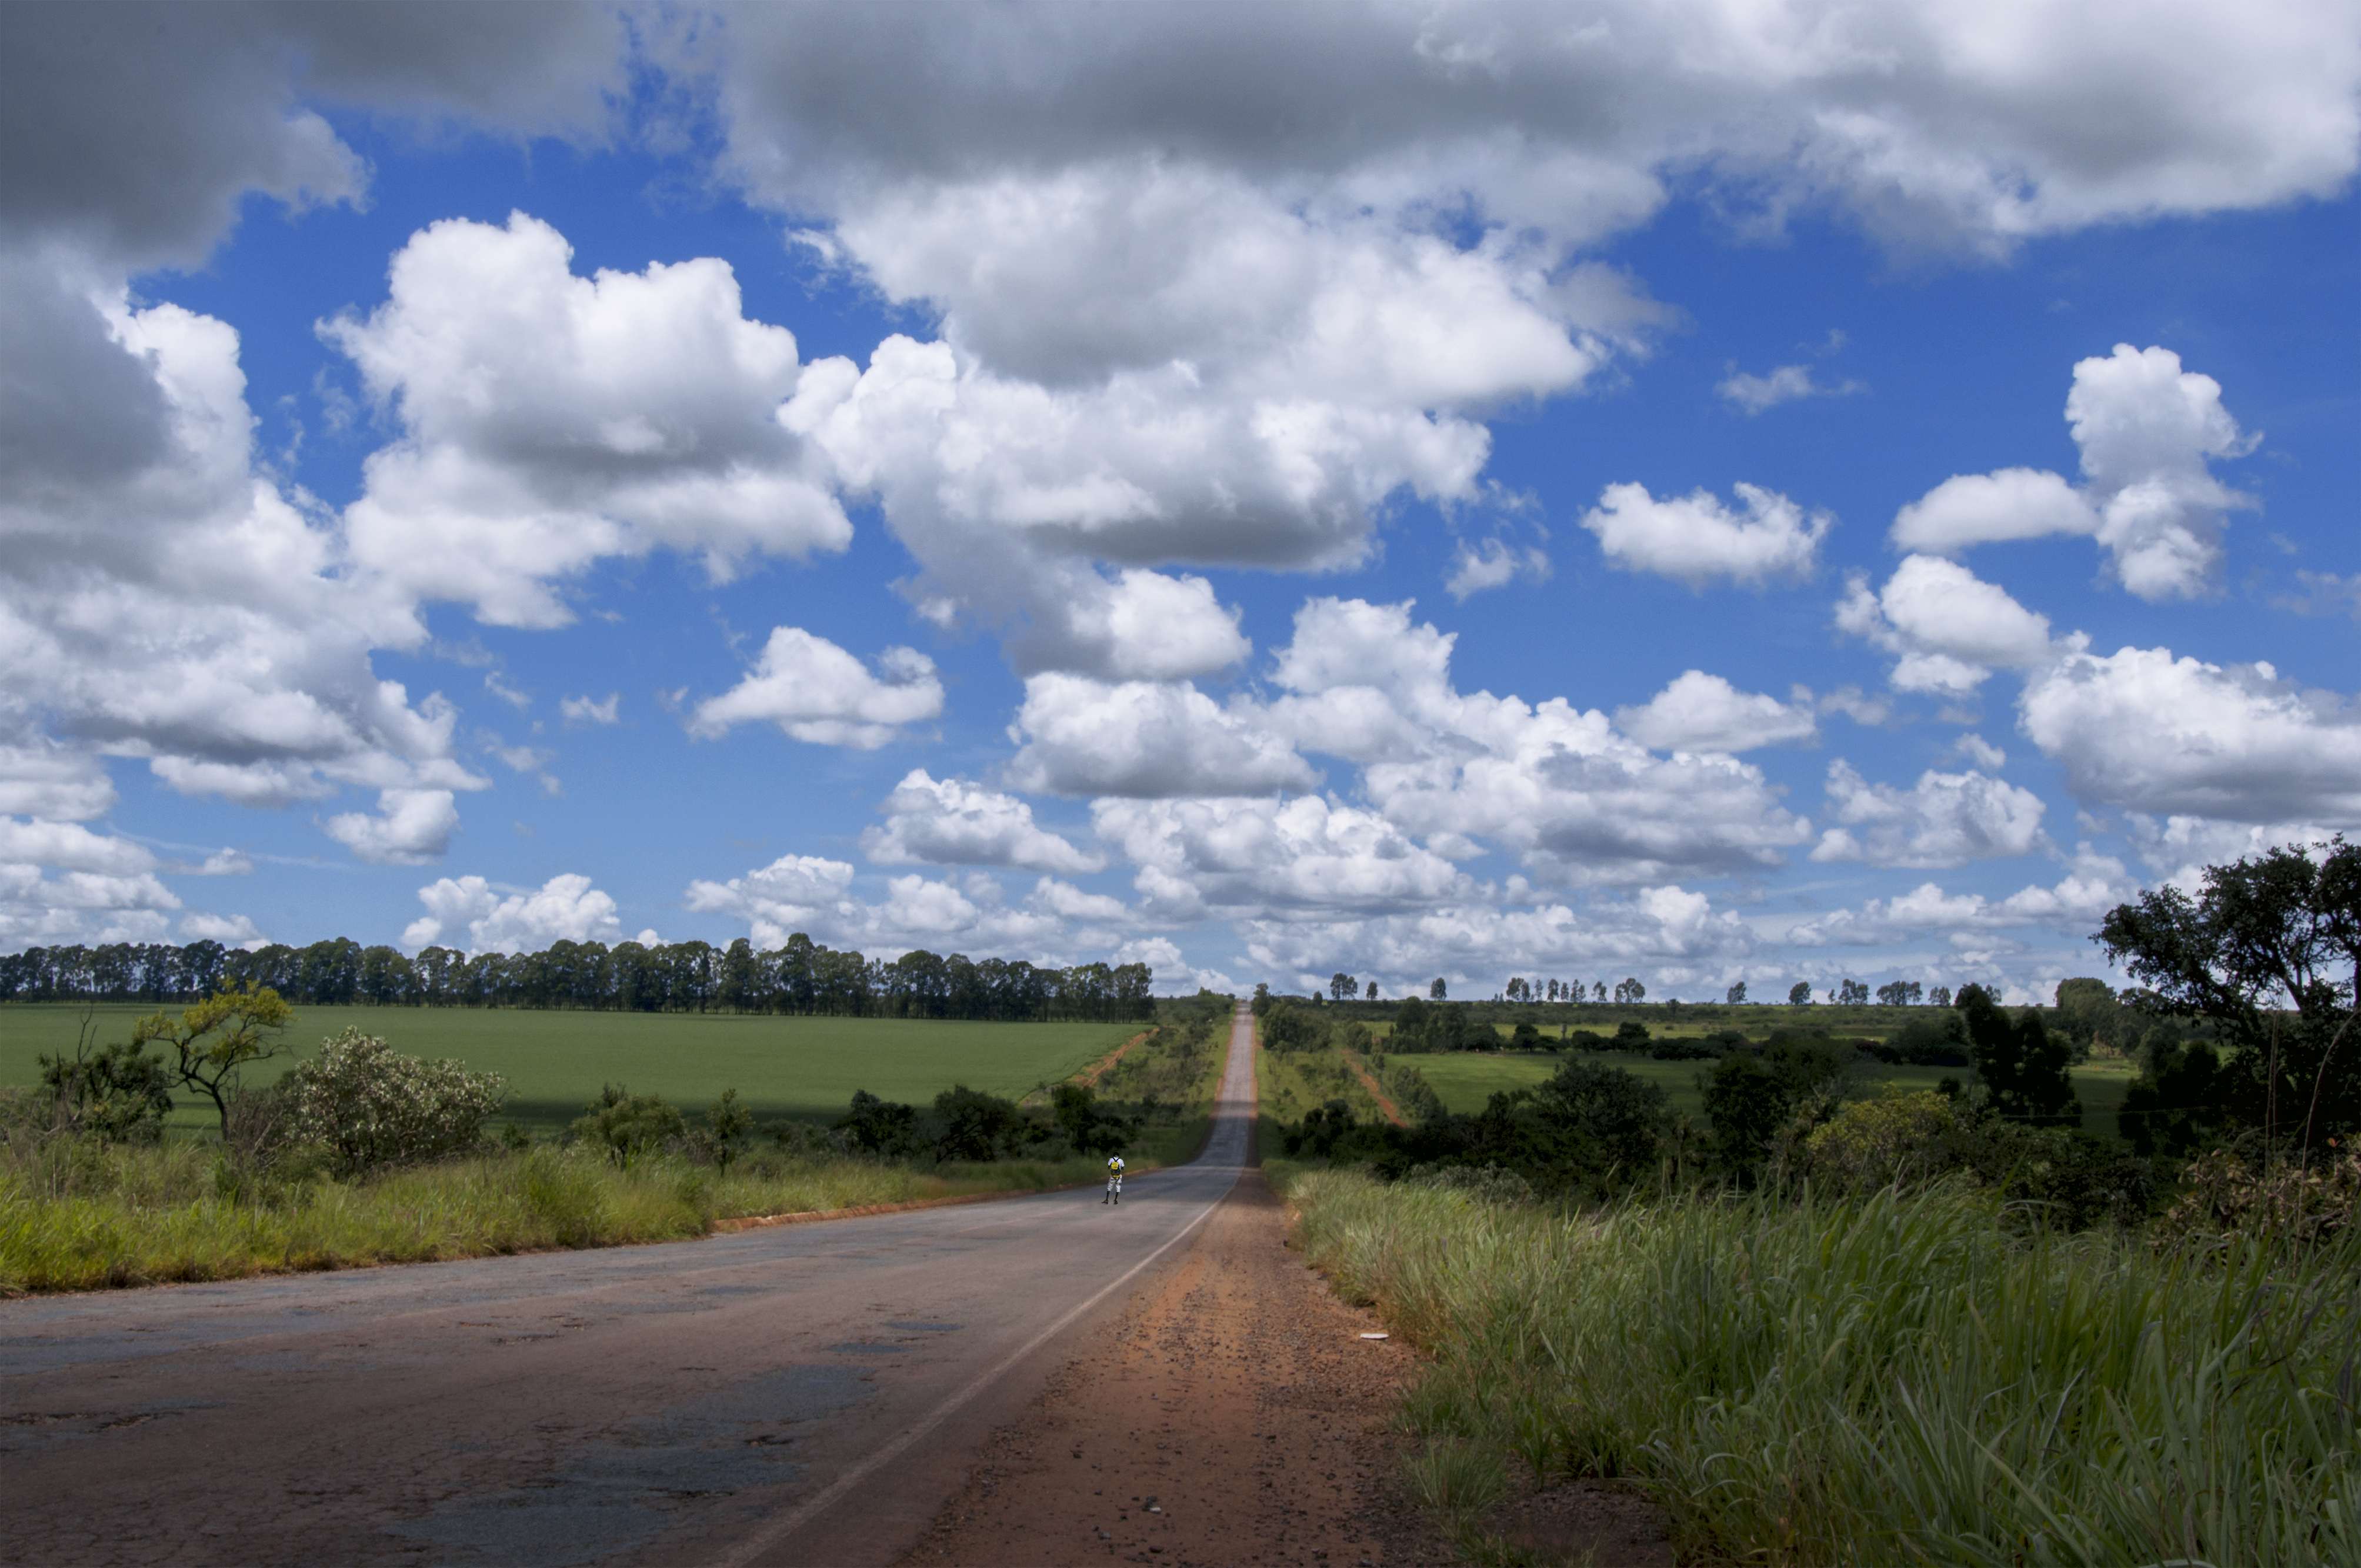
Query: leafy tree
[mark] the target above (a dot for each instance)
(1800, 993)
(1088, 1128)
(371, 1106)
(1371, 994)
(971, 1125)
(1900, 993)
(1939, 997)
(2087, 1012)
(117, 1091)
(879, 1126)
(1341, 986)
(1852, 993)
(2267, 937)
(1736, 994)
(2020, 1064)
(1525, 1038)
(1291, 1027)
(1629, 989)
(213, 1041)
(1438, 991)
(625, 1126)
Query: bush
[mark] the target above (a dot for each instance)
(886, 1128)
(371, 1106)
(625, 1126)
(119, 1092)
(969, 1125)
(2229, 1193)
(1088, 1128)
(1896, 1139)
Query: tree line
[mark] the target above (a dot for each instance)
(801, 977)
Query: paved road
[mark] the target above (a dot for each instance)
(807, 1394)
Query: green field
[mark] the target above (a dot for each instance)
(554, 1061)
(1465, 1080)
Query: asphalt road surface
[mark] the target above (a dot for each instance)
(806, 1394)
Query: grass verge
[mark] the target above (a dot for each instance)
(1896, 1379)
(77, 1216)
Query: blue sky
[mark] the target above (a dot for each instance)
(1811, 494)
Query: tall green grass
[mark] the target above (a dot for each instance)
(179, 1212)
(1894, 1379)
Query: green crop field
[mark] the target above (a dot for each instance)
(1465, 1080)
(554, 1061)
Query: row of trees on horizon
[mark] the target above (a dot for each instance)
(801, 977)
(1629, 991)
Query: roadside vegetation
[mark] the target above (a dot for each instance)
(362, 1154)
(1824, 1318)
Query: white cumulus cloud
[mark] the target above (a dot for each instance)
(953, 822)
(1145, 738)
(549, 420)
(1698, 712)
(1949, 628)
(2147, 428)
(2151, 733)
(817, 692)
(1946, 819)
(565, 908)
(412, 828)
(1696, 539)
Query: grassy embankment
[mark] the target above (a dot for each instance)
(74, 1215)
(1894, 1379)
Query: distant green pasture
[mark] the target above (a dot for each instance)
(554, 1061)
(1465, 1080)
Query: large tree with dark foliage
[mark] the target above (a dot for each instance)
(2022, 1066)
(2270, 953)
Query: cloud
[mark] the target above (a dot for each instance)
(2073, 906)
(585, 710)
(69, 846)
(1948, 627)
(1141, 625)
(175, 607)
(1947, 819)
(817, 692)
(412, 828)
(1787, 384)
(549, 419)
(230, 930)
(1145, 738)
(1493, 564)
(1694, 538)
(952, 822)
(809, 894)
(1655, 928)
(566, 908)
(1577, 800)
(2146, 428)
(1698, 712)
(2147, 732)
(1238, 856)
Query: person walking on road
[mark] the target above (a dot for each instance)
(1115, 1180)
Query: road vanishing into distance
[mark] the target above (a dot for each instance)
(802, 1394)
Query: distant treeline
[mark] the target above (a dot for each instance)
(669, 976)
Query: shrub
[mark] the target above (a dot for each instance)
(119, 1092)
(1897, 1138)
(1088, 1126)
(969, 1125)
(726, 1127)
(883, 1127)
(625, 1126)
(371, 1106)
(2226, 1194)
